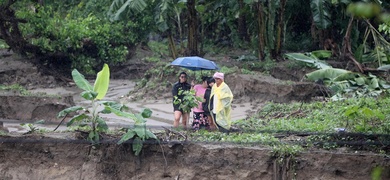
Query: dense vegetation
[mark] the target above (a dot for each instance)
(85, 34)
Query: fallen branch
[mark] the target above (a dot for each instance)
(66, 115)
(346, 48)
(296, 112)
(169, 131)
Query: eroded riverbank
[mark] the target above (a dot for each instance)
(40, 157)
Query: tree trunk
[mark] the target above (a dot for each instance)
(172, 46)
(10, 32)
(279, 34)
(261, 30)
(192, 48)
(47, 63)
(346, 49)
(271, 34)
(242, 28)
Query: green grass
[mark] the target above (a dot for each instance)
(16, 88)
(3, 133)
(159, 48)
(237, 138)
(366, 121)
(355, 115)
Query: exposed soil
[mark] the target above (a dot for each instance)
(255, 88)
(38, 157)
(66, 156)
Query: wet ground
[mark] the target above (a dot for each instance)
(162, 109)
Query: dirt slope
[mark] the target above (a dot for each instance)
(38, 157)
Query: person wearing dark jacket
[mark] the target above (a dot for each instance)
(182, 84)
(208, 103)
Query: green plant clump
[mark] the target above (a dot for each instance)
(90, 117)
(92, 94)
(16, 87)
(32, 128)
(189, 100)
(81, 32)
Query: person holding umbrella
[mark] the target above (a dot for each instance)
(193, 63)
(222, 98)
(181, 85)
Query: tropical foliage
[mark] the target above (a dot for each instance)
(188, 101)
(92, 94)
(342, 83)
(90, 116)
(90, 33)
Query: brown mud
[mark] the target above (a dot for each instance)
(39, 157)
(66, 156)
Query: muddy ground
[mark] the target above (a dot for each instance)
(66, 156)
(250, 91)
(38, 157)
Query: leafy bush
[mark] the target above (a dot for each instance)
(265, 66)
(88, 39)
(3, 45)
(159, 48)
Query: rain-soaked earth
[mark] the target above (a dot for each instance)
(63, 155)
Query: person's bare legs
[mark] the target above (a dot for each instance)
(185, 118)
(211, 123)
(176, 123)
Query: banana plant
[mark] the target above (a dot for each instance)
(139, 133)
(321, 13)
(120, 8)
(341, 82)
(380, 52)
(346, 84)
(91, 116)
(92, 94)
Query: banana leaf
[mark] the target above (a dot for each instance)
(329, 73)
(80, 81)
(311, 60)
(322, 54)
(321, 13)
(384, 68)
(119, 9)
(347, 76)
(102, 82)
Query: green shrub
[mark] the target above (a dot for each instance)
(84, 36)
